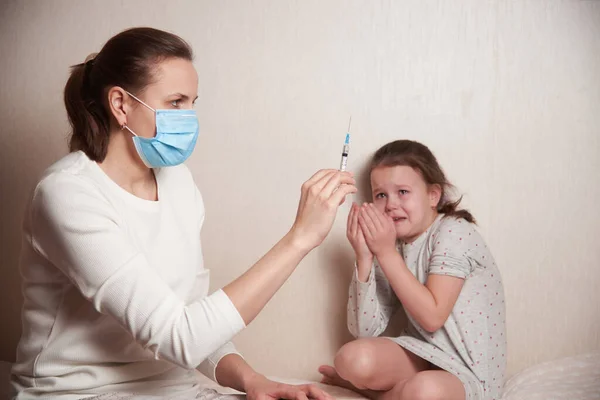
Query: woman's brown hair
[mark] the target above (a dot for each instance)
(127, 60)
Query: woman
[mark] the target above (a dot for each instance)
(113, 279)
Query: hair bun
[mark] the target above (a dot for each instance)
(90, 58)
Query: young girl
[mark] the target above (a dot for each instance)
(416, 249)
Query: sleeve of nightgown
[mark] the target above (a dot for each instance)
(371, 304)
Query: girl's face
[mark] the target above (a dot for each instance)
(401, 193)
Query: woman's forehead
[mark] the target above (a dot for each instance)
(175, 75)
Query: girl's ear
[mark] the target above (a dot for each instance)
(435, 194)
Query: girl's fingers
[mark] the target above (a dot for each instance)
(366, 224)
(373, 213)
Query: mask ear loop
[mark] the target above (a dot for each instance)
(141, 101)
(124, 126)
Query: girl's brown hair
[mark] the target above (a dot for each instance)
(127, 60)
(418, 156)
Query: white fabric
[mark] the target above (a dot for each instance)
(115, 287)
(203, 394)
(572, 378)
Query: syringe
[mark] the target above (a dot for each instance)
(346, 148)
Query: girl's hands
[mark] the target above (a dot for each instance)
(378, 229)
(356, 237)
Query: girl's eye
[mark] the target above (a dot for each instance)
(379, 195)
(175, 103)
(403, 192)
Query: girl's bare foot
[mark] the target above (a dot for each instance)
(331, 377)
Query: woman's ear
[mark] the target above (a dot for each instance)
(435, 194)
(117, 105)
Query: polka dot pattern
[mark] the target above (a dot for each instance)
(472, 342)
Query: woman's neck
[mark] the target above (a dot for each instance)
(124, 166)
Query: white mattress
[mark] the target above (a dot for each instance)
(572, 378)
(336, 392)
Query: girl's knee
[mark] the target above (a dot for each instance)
(421, 387)
(355, 362)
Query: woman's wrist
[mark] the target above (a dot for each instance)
(249, 379)
(298, 241)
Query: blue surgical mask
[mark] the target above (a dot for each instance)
(176, 135)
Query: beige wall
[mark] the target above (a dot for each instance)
(506, 93)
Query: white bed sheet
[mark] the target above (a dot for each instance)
(571, 378)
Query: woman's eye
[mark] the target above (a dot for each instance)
(175, 103)
(403, 192)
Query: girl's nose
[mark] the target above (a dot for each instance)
(392, 204)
